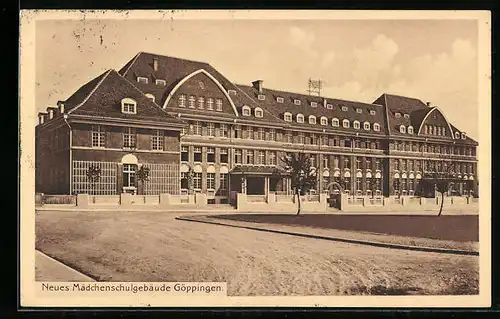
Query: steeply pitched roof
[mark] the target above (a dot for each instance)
(83, 92)
(103, 98)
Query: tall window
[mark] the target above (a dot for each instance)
(272, 158)
(197, 154)
(377, 164)
(201, 102)
(157, 140)
(129, 138)
(218, 104)
(211, 181)
(210, 103)
(260, 133)
(300, 136)
(237, 131)
(272, 134)
(210, 129)
(191, 101)
(129, 175)
(368, 163)
(335, 122)
(197, 128)
(325, 161)
(210, 155)
(223, 130)
(345, 123)
(261, 160)
(249, 132)
(182, 100)
(249, 156)
(223, 155)
(223, 181)
(98, 136)
(289, 137)
(376, 127)
(197, 181)
(237, 156)
(396, 165)
(184, 154)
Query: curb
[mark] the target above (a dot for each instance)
(64, 266)
(343, 240)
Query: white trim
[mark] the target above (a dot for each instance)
(76, 147)
(91, 92)
(187, 77)
(129, 159)
(444, 116)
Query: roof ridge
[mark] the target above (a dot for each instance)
(131, 63)
(92, 91)
(173, 57)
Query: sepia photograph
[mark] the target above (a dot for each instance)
(255, 158)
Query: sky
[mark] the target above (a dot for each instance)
(359, 60)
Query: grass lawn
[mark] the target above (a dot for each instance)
(140, 246)
(456, 228)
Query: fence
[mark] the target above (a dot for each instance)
(105, 185)
(42, 199)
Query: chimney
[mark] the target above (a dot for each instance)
(428, 104)
(324, 103)
(61, 107)
(51, 109)
(155, 64)
(257, 85)
(41, 118)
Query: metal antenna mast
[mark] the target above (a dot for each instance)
(315, 87)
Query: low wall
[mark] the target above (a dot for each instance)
(280, 203)
(162, 200)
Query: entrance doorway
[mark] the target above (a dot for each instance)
(334, 191)
(255, 186)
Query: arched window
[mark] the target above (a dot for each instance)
(356, 125)
(410, 129)
(426, 129)
(463, 135)
(129, 106)
(300, 118)
(287, 117)
(376, 127)
(345, 123)
(402, 129)
(150, 96)
(457, 135)
(324, 120)
(366, 126)
(335, 122)
(246, 111)
(259, 112)
(312, 119)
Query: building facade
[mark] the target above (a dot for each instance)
(199, 132)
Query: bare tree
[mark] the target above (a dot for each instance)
(93, 176)
(302, 175)
(441, 176)
(142, 176)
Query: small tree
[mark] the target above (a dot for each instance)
(93, 176)
(142, 176)
(441, 179)
(302, 176)
(189, 180)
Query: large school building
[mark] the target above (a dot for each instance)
(179, 117)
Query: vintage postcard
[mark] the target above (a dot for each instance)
(255, 158)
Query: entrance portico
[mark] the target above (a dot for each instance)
(258, 180)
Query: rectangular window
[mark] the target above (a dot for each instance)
(261, 159)
(272, 135)
(210, 129)
(182, 100)
(129, 138)
(223, 130)
(129, 175)
(312, 160)
(201, 102)
(210, 103)
(249, 132)
(141, 79)
(260, 133)
(223, 155)
(289, 137)
(300, 137)
(237, 131)
(184, 154)
(191, 101)
(211, 181)
(249, 157)
(218, 104)
(197, 181)
(313, 139)
(197, 128)
(161, 82)
(197, 154)
(377, 164)
(272, 158)
(98, 136)
(157, 140)
(403, 165)
(325, 161)
(210, 155)
(396, 165)
(368, 163)
(223, 181)
(237, 156)
(128, 108)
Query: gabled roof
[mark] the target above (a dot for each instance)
(278, 109)
(102, 97)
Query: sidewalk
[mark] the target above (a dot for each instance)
(49, 269)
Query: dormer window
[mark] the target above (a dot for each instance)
(402, 129)
(376, 127)
(410, 129)
(463, 135)
(345, 123)
(161, 82)
(372, 112)
(457, 135)
(150, 96)
(296, 102)
(356, 125)
(406, 116)
(300, 118)
(366, 126)
(279, 99)
(335, 122)
(129, 106)
(329, 106)
(344, 108)
(287, 117)
(397, 115)
(141, 79)
(314, 104)
(261, 97)
(231, 92)
(312, 119)
(358, 110)
(323, 120)
(259, 112)
(246, 111)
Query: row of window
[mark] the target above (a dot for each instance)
(209, 181)
(416, 165)
(287, 116)
(141, 79)
(433, 148)
(199, 102)
(98, 136)
(441, 131)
